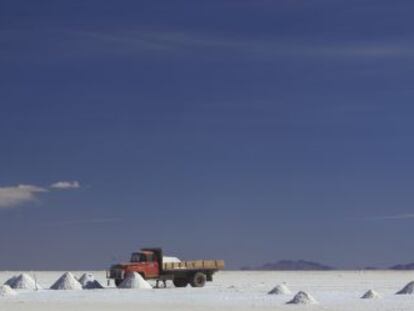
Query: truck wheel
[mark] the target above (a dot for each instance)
(180, 282)
(199, 280)
(118, 282)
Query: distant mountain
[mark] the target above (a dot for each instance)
(291, 265)
(409, 266)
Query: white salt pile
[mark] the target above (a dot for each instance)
(6, 290)
(371, 294)
(407, 290)
(66, 282)
(134, 280)
(281, 289)
(302, 298)
(22, 281)
(10, 281)
(88, 281)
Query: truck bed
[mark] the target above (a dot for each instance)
(194, 265)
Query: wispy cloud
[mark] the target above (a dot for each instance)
(16, 195)
(169, 41)
(90, 221)
(86, 43)
(64, 185)
(393, 217)
(138, 41)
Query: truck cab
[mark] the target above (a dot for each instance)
(145, 263)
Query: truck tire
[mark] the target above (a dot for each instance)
(180, 282)
(198, 280)
(118, 282)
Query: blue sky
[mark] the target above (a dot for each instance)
(247, 130)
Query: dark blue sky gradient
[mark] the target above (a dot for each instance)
(247, 130)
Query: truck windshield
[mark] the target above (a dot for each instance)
(138, 257)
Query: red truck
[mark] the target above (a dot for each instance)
(149, 263)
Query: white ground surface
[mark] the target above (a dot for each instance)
(336, 291)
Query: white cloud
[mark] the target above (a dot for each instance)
(65, 185)
(15, 195)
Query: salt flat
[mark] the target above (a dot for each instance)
(334, 290)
